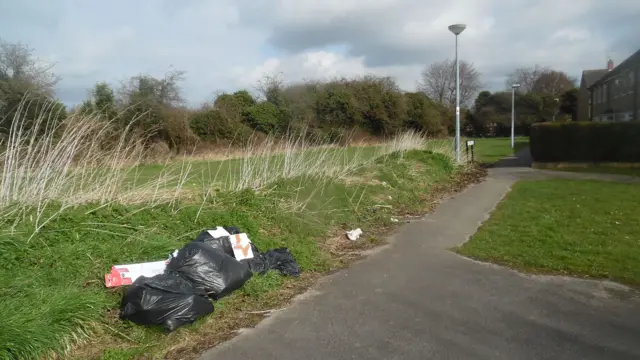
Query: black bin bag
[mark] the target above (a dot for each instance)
(165, 300)
(282, 260)
(222, 243)
(209, 269)
(276, 259)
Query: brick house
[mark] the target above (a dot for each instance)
(615, 96)
(589, 77)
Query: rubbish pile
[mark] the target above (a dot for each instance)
(180, 290)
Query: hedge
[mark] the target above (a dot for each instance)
(587, 142)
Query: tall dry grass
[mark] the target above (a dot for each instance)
(85, 159)
(298, 156)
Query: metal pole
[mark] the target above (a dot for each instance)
(457, 104)
(513, 116)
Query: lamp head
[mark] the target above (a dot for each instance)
(457, 28)
(515, 86)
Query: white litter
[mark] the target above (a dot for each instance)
(218, 232)
(353, 235)
(241, 247)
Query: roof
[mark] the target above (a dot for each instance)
(591, 76)
(625, 65)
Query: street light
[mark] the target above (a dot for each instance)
(456, 29)
(513, 114)
(556, 108)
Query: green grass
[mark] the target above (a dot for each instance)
(486, 150)
(52, 285)
(223, 172)
(490, 150)
(629, 171)
(573, 227)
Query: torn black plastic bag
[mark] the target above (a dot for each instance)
(164, 300)
(209, 269)
(222, 243)
(282, 260)
(232, 230)
(277, 259)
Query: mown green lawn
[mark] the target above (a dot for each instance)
(486, 150)
(572, 227)
(629, 171)
(490, 150)
(51, 284)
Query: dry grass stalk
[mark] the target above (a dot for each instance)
(80, 160)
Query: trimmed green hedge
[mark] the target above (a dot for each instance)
(590, 142)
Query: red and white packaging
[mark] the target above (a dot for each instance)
(241, 246)
(127, 274)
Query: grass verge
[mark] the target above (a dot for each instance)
(491, 150)
(569, 227)
(622, 169)
(54, 302)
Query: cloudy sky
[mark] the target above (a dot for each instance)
(224, 45)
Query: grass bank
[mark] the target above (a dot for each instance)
(486, 150)
(65, 222)
(491, 150)
(569, 227)
(622, 169)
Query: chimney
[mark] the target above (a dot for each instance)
(610, 65)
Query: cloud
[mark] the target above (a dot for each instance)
(323, 65)
(227, 44)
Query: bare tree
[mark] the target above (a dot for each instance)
(554, 83)
(21, 70)
(165, 91)
(438, 81)
(526, 77)
(270, 87)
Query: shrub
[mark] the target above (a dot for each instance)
(585, 142)
(244, 99)
(336, 106)
(232, 105)
(264, 116)
(178, 133)
(211, 125)
(423, 115)
(380, 103)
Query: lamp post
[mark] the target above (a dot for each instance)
(513, 114)
(555, 109)
(456, 29)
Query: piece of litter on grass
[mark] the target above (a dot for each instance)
(127, 274)
(353, 235)
(241, 246)
(394, 220)
(218, 232)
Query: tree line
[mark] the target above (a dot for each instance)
(543, 95)
(373, 105)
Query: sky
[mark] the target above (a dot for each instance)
(225, 45)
